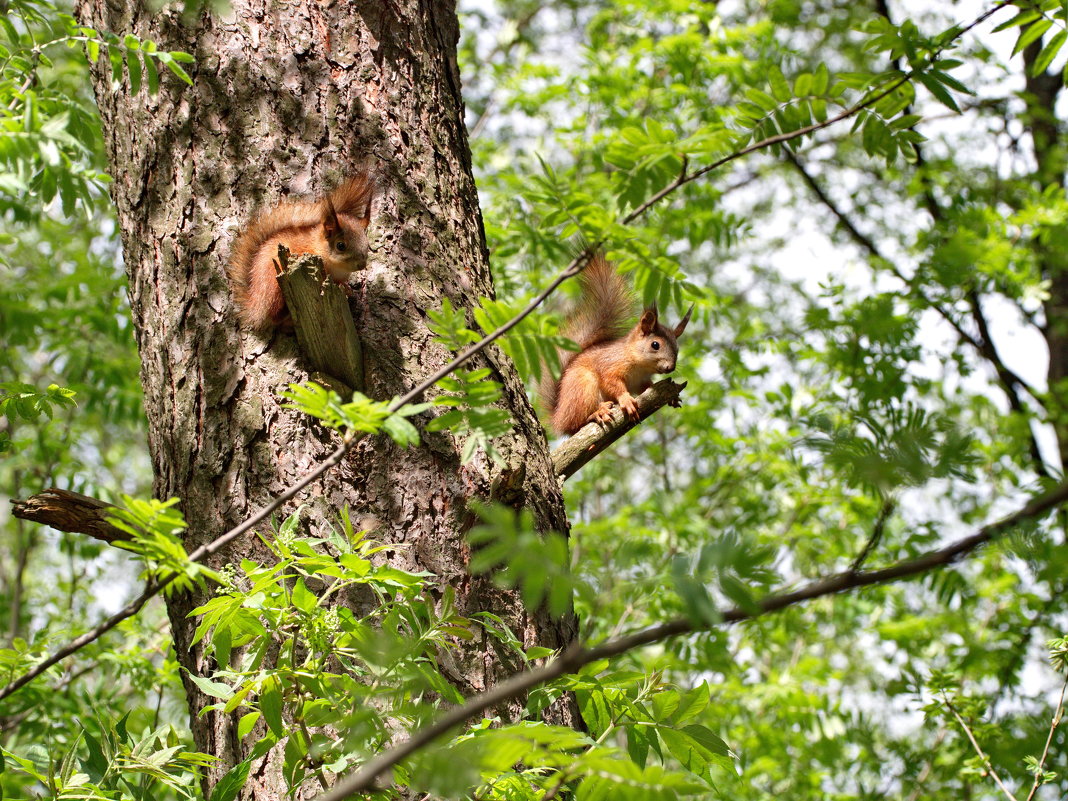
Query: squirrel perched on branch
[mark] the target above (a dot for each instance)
(333, 228)
(613, 364)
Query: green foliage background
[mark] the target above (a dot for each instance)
(843, 402)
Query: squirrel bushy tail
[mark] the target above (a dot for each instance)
(298, 225)
(605, 311)
(257, 300)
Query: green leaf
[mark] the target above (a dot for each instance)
(120, 728)
(695, 747)
(215, 689)
(1049, 52)
(133, 67)
(303, 598)
(151, 75)
(401, 431)
(173, 66)
(938, 90)
(247, 721)
(1031, 33)
(227, 788)
(638, 744)
(271, 706)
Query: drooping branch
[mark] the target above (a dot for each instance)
(593, 439)
(889, 505)
(574, 658)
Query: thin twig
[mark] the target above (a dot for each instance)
(575, 657)
(876, 534)
(779, 139)
(1045, 751)
(975, 744)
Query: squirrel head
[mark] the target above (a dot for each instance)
(346, 241)
(653, 345)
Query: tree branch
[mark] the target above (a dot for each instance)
(889, 505)
(1009, 381)
(575, 657)
(979, 751)
(64, 510)
(778, 139)
(1057, 715)
(593, 439)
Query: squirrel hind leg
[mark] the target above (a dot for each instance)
(602, 415)
(579, 397)
(262, 306)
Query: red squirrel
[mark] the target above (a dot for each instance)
(613, 364)
(333, 228)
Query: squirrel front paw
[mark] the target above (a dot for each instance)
(629, 406)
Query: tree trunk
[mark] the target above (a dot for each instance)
(288, 100)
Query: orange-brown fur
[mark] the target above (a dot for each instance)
(333, 228)
(613, 364)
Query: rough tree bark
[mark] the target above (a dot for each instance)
(287, 99)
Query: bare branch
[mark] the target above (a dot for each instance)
(575, 657)
(64, 510)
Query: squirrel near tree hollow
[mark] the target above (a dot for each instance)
(613, 363)
(334, 228)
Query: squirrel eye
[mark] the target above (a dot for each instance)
(655, 345)
(340, 246)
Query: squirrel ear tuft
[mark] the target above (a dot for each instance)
(331, 223)
(648, 321)
(682, 325)
(365, 220)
